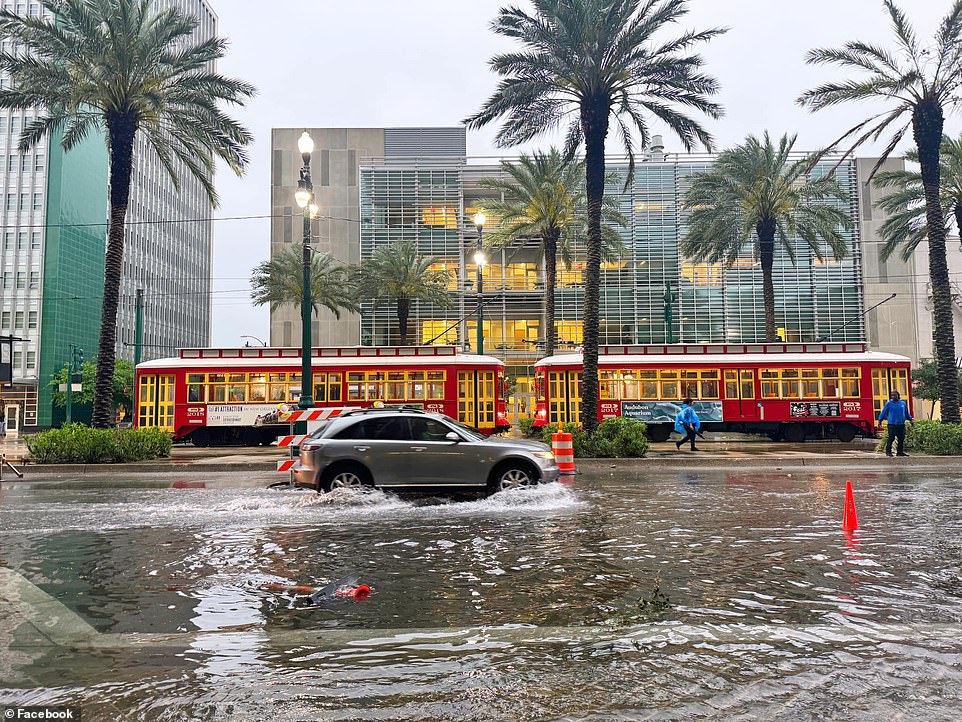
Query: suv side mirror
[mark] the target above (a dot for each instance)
(451, 436)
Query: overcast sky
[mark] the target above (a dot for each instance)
(395, 63)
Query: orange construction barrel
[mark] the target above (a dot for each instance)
(564, 452)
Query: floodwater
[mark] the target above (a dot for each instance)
(686, 596)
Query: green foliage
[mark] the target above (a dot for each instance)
(79, 444)
(602, 57)
(526, 426)
(931, 437)
(925, 381)
(618, 438)
(543, 196)
(280, 281)
(906, 225)
(756, 183)
(398, 274)
(123, 388)
(121, 65)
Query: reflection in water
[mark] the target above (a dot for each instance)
(506, 608)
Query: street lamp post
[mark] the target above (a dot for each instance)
(479, 261)
(305, 201)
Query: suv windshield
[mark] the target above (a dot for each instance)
(467, 431)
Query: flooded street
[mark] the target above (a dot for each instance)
(695, 595)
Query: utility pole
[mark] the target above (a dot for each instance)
(139, 329)
(669, 314)
(76, 362)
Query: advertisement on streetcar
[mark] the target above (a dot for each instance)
(664, 412)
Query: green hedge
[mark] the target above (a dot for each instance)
(613, 439)
(526, 426)
(931, 437)
(79, 444)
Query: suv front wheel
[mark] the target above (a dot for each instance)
(512, 476)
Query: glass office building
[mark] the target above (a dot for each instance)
(432, 200)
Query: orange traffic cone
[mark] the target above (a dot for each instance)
(850, 516)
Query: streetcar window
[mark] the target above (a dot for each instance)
(258, 388)
(607, 385)
(217, 394)
(396, 386)
(810, 389)
(649, 390)
(748, 384)
(375, 386)
(436, 386)
(629, 386)
(355, 386)
(334, 387)
(278, 392)
(709, 389)
(850, 383)
(669, 390)
(236, 393)
(731, 384)
(195, 393)
(416, 385)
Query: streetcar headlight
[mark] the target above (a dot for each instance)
(544, 455)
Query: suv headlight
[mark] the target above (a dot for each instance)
(544, 455)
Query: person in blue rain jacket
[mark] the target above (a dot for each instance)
(896, 412)
(688, 423)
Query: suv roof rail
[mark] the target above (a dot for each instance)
(372, 409)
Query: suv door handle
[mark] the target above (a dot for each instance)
(361, 448)
(419, 448)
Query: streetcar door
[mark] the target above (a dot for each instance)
(477, 394)
(746, 394)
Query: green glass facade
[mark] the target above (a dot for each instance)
(73, 261)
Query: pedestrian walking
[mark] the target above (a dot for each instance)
(3, 425)
(896, 412)
(688, 423)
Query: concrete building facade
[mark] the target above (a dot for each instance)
(54, 216)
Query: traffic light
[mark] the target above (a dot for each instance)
(78, 358)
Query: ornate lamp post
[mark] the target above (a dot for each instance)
(305, 201)
(479, 261)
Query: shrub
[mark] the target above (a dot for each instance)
(931, 437)
(526, 426)
(79, 444)
(618, 438)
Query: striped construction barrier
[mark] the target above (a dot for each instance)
(286, 464)
(309, 415)
(564, 452)
(296, 440)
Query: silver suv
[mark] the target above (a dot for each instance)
(392, 448)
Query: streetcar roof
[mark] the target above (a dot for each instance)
(757, 359)
(176, 362)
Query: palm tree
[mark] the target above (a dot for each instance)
(905, 205)
(279, 282)
(119, 68)
(543, 197)
(759, 195)
(916, 84)
(586, 63)
(397, 274)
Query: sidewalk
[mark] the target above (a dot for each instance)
(244, 463)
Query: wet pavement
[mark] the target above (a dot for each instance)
(672, 596)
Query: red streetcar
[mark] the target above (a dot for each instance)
(216, 396)
(790, 391)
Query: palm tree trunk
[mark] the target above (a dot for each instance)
(403, 312)
(550, 242)
(766, 251)
(121, 131)
(927, 122)
(594, 125)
